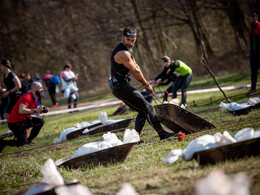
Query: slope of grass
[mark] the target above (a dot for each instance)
(145, 165)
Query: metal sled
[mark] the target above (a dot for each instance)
(244, 111)
(99, 128)
(229, 152)
(78, 133)
(178, 119)
(43, 189)
(6, 134)
(103, 157)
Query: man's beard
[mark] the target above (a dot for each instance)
(37, 93)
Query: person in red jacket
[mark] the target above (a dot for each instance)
(254, 36)
(20, 118)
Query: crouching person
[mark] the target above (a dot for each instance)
(20, 118)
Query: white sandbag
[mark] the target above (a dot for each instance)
(201, 143)
(207, 141)
(73, 189)
(233, 106)
(223, 106)
(103, 117)
(253, 101)
(64, 133)
(50, 173)
(236, 106)
(175, 101)
(223, 139)
(127, 189)
(131, 136)
(112, 139)
(244, 134)
(85, 131)
(82, 125)
(217, 183)
(256, 134)
(91, 147)
(109, 140)
(174, 156)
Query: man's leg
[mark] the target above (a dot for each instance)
(69, 102)
(168, 90)
(19, 130)
(186, 82)
(76, 100)
(135, 100)
(37, 124)
(176, 85)
(52, 95)
(254, 70)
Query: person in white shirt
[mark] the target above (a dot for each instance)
(69, 85)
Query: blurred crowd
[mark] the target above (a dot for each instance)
(14, 85)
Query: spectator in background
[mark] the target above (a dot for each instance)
(51, 86)
(37, 78)
(29, 79)
(25, 85)
(69, 85)
(3, 106)
(12, 86)
(254, 35)
(20, 118)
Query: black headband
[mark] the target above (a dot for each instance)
(164, 60)
(6, 64)
(130, 34)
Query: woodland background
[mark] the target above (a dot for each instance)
(37, 35)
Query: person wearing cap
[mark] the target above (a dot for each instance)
(164, 78)
(254, 36)
(20, 118)
(123, 65)
(177, 71)
(12, 86)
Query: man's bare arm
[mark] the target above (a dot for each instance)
(24, 110)
(124, 57)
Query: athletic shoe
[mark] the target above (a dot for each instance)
(251, 92)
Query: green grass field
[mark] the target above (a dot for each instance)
(145, 166)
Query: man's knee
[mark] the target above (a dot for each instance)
(37, 121)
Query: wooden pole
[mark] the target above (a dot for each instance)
(204, 62)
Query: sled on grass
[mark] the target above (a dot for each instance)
(228, 152)
(107, 156)
(44, 189)
(100, 128)
(178, 119)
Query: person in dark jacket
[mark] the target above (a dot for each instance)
(254, 36)
(51, 87)
(12, 86)
(25, 85)
(178, 71)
